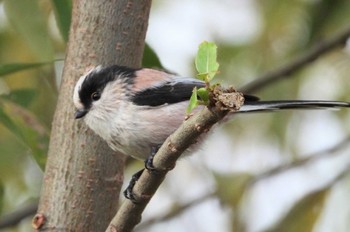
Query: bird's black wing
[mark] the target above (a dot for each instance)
(167, 93)
(172, 92)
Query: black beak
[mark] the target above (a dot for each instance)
(80, 113)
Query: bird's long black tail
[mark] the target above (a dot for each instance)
(265, 106)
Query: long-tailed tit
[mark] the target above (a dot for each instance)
(135, 110)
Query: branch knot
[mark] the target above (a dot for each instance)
(226, 99)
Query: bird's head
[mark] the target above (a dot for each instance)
(100, 90)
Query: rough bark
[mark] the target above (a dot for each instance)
(83, 175)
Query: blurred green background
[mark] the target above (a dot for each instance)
(33, 37)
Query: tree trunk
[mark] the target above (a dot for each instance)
(83, 175)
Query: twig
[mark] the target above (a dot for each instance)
(174, 211)
(17, 216)
(339, 177)
(129, 214)
(274, 171)
(297, 163)
(292, 67)
(310, 198)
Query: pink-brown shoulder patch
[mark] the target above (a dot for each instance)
(147, 78)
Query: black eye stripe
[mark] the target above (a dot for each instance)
(96, 81)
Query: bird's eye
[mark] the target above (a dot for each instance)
(95, 96)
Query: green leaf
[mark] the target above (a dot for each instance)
(150, 58)
(31, 25)
(206, 61)
(27, 128)
(193, 101)
(9, 124)
(2, 196)
(303, 216)
(37, 143)
(22, 97)
(203, 94)
(63, 14)
(16, 67)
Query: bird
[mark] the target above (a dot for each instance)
(135, 109)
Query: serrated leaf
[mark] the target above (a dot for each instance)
(193, 103)
(303, 216)
(6, 69)
(202, 76)
(63, 12)
(203, 95)
(206, 61)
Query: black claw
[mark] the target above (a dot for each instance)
(149, 161)
(128, 192)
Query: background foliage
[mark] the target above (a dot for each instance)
(228, 182)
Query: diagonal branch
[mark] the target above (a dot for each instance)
(174, 211)
(298, 163)
(187, 134)
(299, 63)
